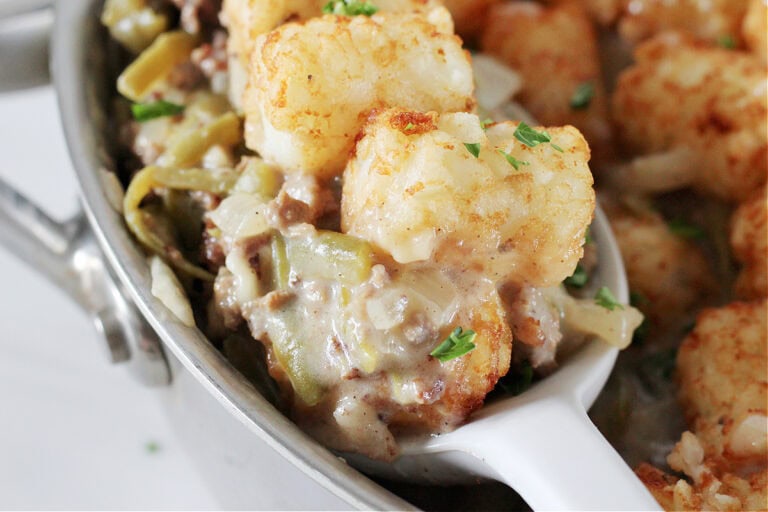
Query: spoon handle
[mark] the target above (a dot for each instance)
(556, 459)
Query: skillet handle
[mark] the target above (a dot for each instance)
(68, 255)
(556, 459)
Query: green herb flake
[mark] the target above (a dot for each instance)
(152, 447)
(473, 148)
(456, 345)
(350, 8)
(529, 136)
(582, 96)
(685, 229)
(605, 298)
(578, 279)
(485, 123)
(727, 41)
(147, 111)
(533, 138)
(514, 162)
(408, 127)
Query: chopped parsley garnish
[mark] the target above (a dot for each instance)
(456, 345)
(727, 41)
(161, 108)
(533, 138)
(473, 148)
(605, 298)
(485, 123)
(582, 96)
(350, 8)
(685, 229)
(514, 162)
(152, 447)
(408, 127)
(578, 279)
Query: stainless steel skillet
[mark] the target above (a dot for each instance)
(78, 67)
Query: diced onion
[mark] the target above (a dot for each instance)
(615, 327)
(495, 82)
(167, 289)
(241, 215)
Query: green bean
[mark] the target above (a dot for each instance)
(154, 63)
(147, 225)
(331, 255)
(280, 264)
(259, 178)
(289, 341)
(133, 23)
(189, 149)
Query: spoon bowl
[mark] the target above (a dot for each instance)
(541, 442)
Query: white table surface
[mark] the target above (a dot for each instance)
(75, 431)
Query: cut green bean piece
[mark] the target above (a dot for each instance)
(289, 341)
(155, 63)
(189, 150)
(280, 267)
(331, 255)
(147, 225)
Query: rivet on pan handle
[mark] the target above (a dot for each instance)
(68, 255)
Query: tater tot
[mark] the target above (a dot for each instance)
(248, 19)
(713, 20)
(415, 189)
(311, 85)
(555, 51)
(721, 368)
(749, 241)
(469, 16)
(693, 115)
(754, 29)
(670, 274)
(397, 399)
(604, 12)
(713, 488)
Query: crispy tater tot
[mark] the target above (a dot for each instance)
(416, 189)
(695, 115)
(714, 489)
(669, 274)
(248, 19)
(469, 16)
(396, 398)
(754, 29)
(723, 383)
(749, 241)
(713, 21)
(311, 85)
(555, 51)
(604, 12)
